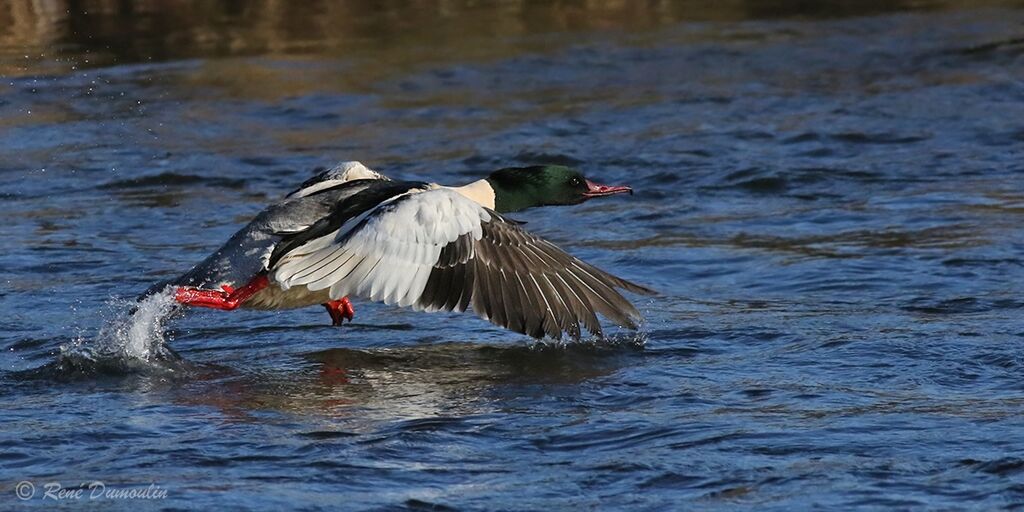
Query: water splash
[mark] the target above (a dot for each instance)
(615, 342)
(133, 338)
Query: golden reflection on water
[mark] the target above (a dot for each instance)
(107, 31)
(61, 35)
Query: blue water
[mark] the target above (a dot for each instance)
(831, 208)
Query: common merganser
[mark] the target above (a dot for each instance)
(352, 231)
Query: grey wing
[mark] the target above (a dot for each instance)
(247, 253)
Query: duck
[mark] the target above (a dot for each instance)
(350, 231)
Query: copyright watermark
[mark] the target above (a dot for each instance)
(96, 490)
(25, 490)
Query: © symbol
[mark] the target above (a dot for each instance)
(25, 490)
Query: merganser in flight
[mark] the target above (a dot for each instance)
(351, 231)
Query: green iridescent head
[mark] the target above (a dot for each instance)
(519, 188)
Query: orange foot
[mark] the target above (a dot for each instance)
(340, 310)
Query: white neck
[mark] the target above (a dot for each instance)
(479, 191)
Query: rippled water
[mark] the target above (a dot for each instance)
(831, 208)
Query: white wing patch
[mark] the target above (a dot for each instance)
(386, 254)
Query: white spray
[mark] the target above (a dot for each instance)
(134, 335)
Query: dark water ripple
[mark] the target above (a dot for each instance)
(829, 208)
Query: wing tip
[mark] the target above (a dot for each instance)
(638, 289)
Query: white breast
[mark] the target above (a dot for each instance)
(479, 191)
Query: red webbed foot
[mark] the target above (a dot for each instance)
(226, 299)
(340, 310)
(215, 299)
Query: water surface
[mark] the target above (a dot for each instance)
(830, 202)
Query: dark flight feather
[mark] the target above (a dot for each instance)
(526, 284)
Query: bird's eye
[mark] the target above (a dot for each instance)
(576, 181)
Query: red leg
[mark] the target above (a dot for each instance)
(340, 310)
(227, 300)
(333, 374)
